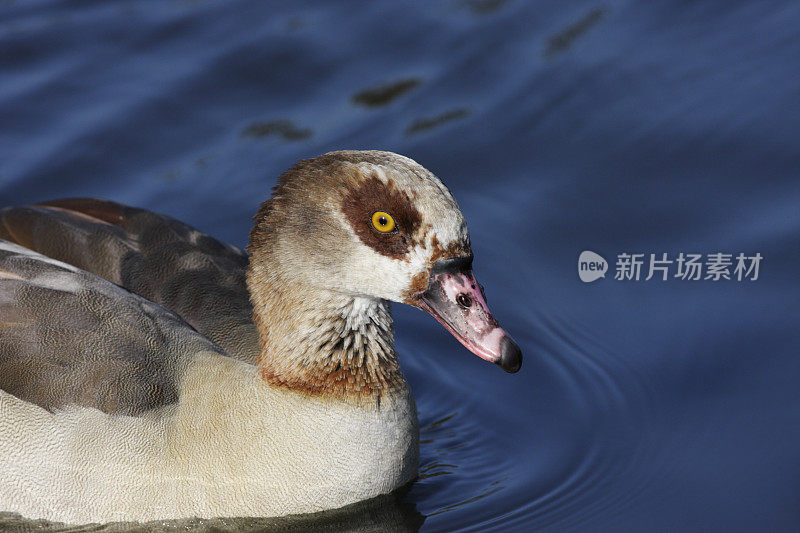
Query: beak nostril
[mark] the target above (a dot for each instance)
(464, 300)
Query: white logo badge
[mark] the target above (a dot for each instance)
(591, 266)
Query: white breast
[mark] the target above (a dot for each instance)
(233, 446)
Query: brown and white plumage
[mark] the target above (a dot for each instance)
(152, 255)
(148, 371)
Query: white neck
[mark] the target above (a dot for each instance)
(321, 342)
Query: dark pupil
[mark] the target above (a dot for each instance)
(382, 221)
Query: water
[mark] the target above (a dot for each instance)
(612, 126)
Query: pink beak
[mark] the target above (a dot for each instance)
(456, 300)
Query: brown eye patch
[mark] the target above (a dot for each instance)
(371, 195)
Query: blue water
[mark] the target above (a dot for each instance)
(617, 127)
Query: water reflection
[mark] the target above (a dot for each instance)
(387, 513)
(564, 39)
(283, 128)
(559, 127)
(385, 94)
(425, 124)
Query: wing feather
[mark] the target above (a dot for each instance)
(68, 337)
(152, 255)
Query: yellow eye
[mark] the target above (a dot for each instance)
(383, 221)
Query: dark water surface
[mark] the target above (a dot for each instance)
(618, 126)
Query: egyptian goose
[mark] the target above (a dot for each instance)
(148, 371)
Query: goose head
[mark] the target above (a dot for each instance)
(372, 225)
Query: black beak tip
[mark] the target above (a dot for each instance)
(510, 355)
